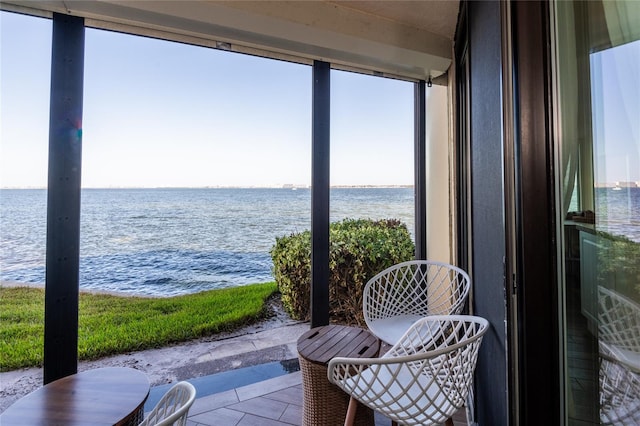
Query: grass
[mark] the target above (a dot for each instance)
(111, 325)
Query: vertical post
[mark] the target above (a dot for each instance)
(420, 172)
(320, 195)
(540, 327)
(63, 199)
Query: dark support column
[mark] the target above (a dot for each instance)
(320, 195)
(539, 325)
(420, 171)
(63, 203)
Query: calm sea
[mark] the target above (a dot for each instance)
(176, 241)
(618, 212)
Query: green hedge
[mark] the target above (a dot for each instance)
(619, 264)
(359, 249)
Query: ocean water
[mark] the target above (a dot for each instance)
(175, 241)
(618, 212)
(165, 242)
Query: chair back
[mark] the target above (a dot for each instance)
(424, 378)
(619, 389)
(399, 295)
(618, 320)
(173, 407)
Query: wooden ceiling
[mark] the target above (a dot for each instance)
(406, 39)
(438, 17)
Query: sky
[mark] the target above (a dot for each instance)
(616, 111)
(163, 114)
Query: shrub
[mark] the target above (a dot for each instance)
(359, 249)
(619, 264)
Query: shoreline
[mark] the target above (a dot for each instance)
(284, 186)
(17, 284)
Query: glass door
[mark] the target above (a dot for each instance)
(597, 86)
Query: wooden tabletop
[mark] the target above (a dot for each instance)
(104, 396)
(319, 345)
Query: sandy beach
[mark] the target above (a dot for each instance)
(272, 339)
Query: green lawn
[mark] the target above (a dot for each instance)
(112, 324)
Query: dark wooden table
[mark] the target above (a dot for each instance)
(104, 396)
(323, 402)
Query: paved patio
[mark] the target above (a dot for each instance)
(276, 401)
(257, 393)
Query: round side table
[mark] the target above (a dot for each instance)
(324, 404)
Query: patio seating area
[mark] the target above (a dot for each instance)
(272, 393)
(276, 401)
(297, 391)
(266, 394)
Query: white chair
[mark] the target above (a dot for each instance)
(423, 379)
(619, 326)
(173, 407)
(619, 390)
(400, 295)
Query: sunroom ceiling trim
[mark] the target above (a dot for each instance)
(299, 31)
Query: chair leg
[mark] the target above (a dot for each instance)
(351, 412)
(449, 422)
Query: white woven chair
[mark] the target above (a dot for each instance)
(619, 326)
(400, 295)
(619, 390)
(423, 379)
(173, 407)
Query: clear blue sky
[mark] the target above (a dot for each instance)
(158, 113)
(616, 111)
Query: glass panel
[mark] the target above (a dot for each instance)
(371, 148)
(190, 158)
(25, 68)
(597, 69)
(616, 122)
(25, 75)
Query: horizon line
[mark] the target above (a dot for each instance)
(285, 186)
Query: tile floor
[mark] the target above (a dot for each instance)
(276, 401)
(272, 402)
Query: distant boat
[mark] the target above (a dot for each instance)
(617, 188)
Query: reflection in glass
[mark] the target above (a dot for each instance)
(597, 65)
(619, 327)
(616, 139)
(619, 345)
(619, 391)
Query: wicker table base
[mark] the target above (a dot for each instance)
(324, 404)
